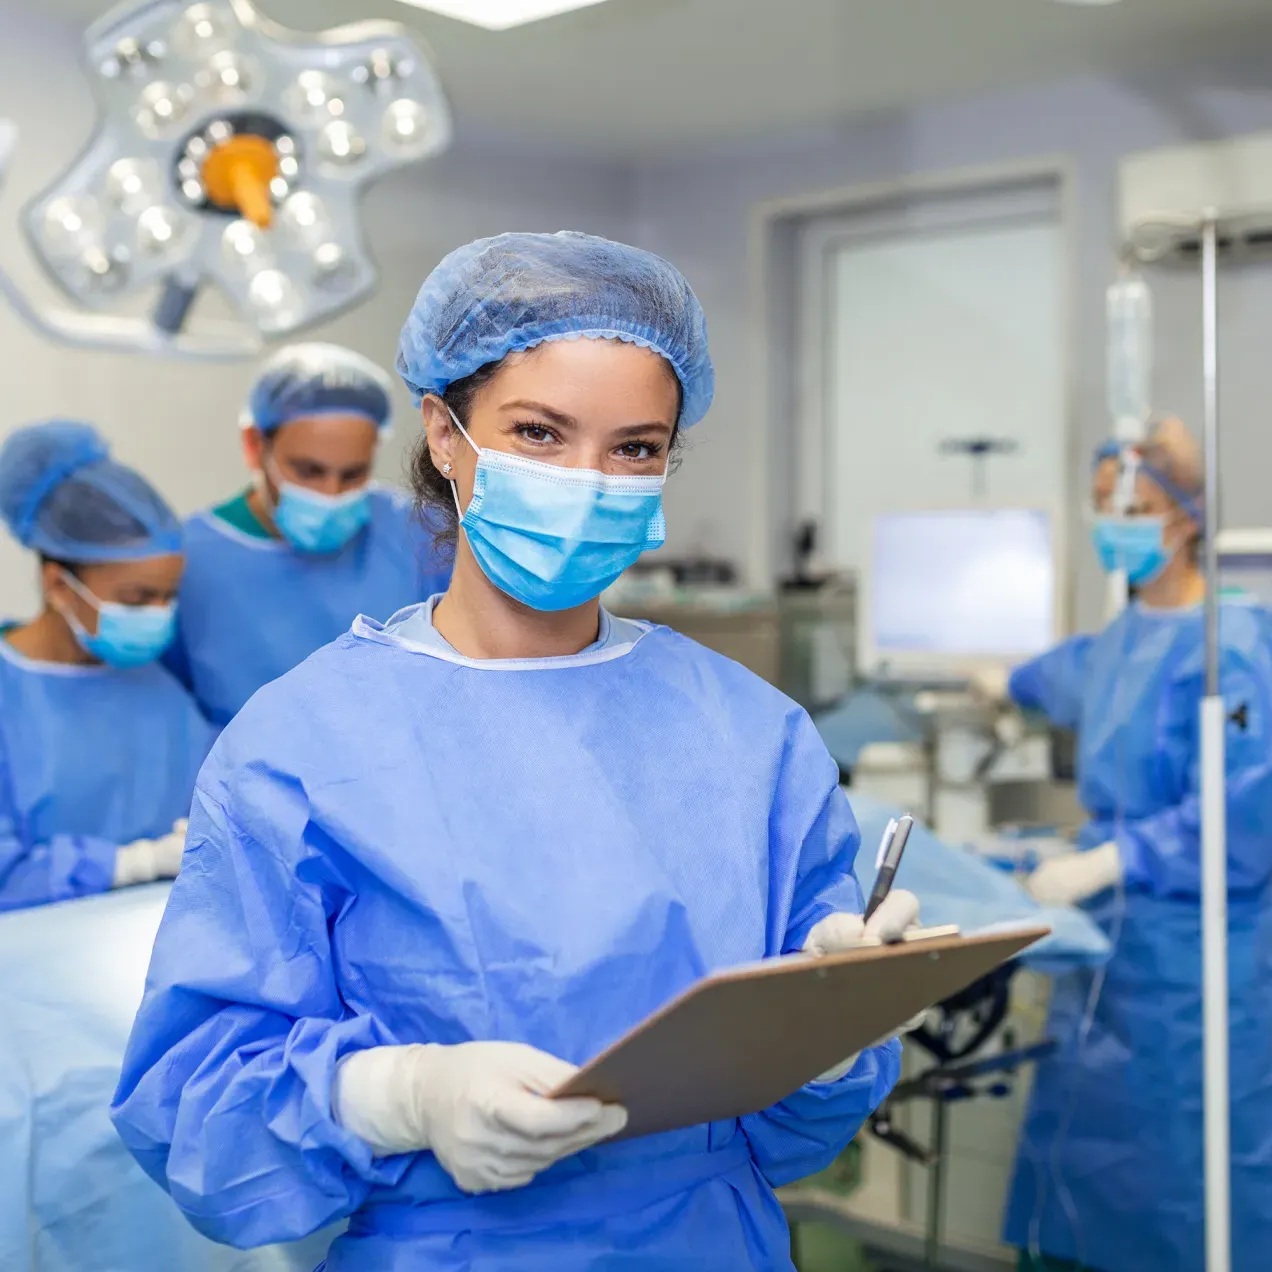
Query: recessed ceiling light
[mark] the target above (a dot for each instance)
(499, 15)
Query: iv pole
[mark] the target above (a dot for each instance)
(1174, 238)
(1214, 830)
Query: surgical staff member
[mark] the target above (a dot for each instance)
(99, 745)
(286, 566)
(1110, 1172)
(455, 854)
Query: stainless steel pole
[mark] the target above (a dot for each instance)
(1214, 836)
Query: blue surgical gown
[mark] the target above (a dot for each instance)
(395, 844)
(1110, 1166)
(91, 758)
(254, 607)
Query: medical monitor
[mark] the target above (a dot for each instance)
(951, 591)
(1245, 564)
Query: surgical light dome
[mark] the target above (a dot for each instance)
(229, 151)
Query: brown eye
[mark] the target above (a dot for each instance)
(638, 450)
(536, 434)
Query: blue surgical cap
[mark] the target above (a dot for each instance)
(501, 295)
(62, 495)
(1190, 504)
(317, 379)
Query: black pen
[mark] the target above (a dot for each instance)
(891, 848)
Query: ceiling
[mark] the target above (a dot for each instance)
(639, 77)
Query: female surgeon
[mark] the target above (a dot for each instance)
(286, 565)
(456, 854)
(1110, 1172)
(99, 745)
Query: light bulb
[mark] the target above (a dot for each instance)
(243, 248)
(71, 226)
(227, 79)
(305, 218)
(133, 59)
(100, 271)
(275, 299)
(314, 97)
(162, 108)
(133, 184)
(203, 29)
(162, 231)
(333, 270)
(340, 144)
(406, 125)
(382, 70)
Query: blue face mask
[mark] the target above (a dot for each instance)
(313, 522)
(127, 635)
(552, 537)
(1134, 544)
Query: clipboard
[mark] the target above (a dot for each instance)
(745, 1038)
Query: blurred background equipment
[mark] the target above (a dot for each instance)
(952, 591)
(229, 151)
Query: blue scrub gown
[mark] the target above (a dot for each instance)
(395, 844)
(1109, 1173)
(254, 607)
(91, 758)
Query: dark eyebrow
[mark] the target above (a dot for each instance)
(635, 430)
(557, 417)
(562, 420)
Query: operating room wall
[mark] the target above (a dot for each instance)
(177, 421)
(734, 489)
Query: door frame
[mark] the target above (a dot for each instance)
(780, 481)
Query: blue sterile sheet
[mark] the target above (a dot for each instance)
(955, 885)
(71, 1198)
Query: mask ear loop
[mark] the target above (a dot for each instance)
(446, 468)
(88, 597)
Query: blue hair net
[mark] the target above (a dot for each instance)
(63, 496)
(317, 379)
(504, 294)
(1190, 504)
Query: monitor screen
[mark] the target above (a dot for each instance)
(966, 583)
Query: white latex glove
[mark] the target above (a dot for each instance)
(991, 683)
(1074, 877)
(837, 933)
(479, 1106)
(146, 860)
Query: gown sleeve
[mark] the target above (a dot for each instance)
(32, 873)
(1162, 852)
(1052, 683)
(813, 845)
(225, 1095)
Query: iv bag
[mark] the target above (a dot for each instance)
(1129, 313)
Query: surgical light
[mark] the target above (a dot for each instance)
(499, 15)
(232, 152)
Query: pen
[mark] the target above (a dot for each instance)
(891, 848)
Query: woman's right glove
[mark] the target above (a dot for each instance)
(481, 1107)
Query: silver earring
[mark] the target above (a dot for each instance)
(446, 470)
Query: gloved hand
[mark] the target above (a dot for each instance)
(990, 683)
(146, 860)
(1074, 877)
(837, 933)
(479, 1106)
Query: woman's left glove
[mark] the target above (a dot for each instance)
(838, 933)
